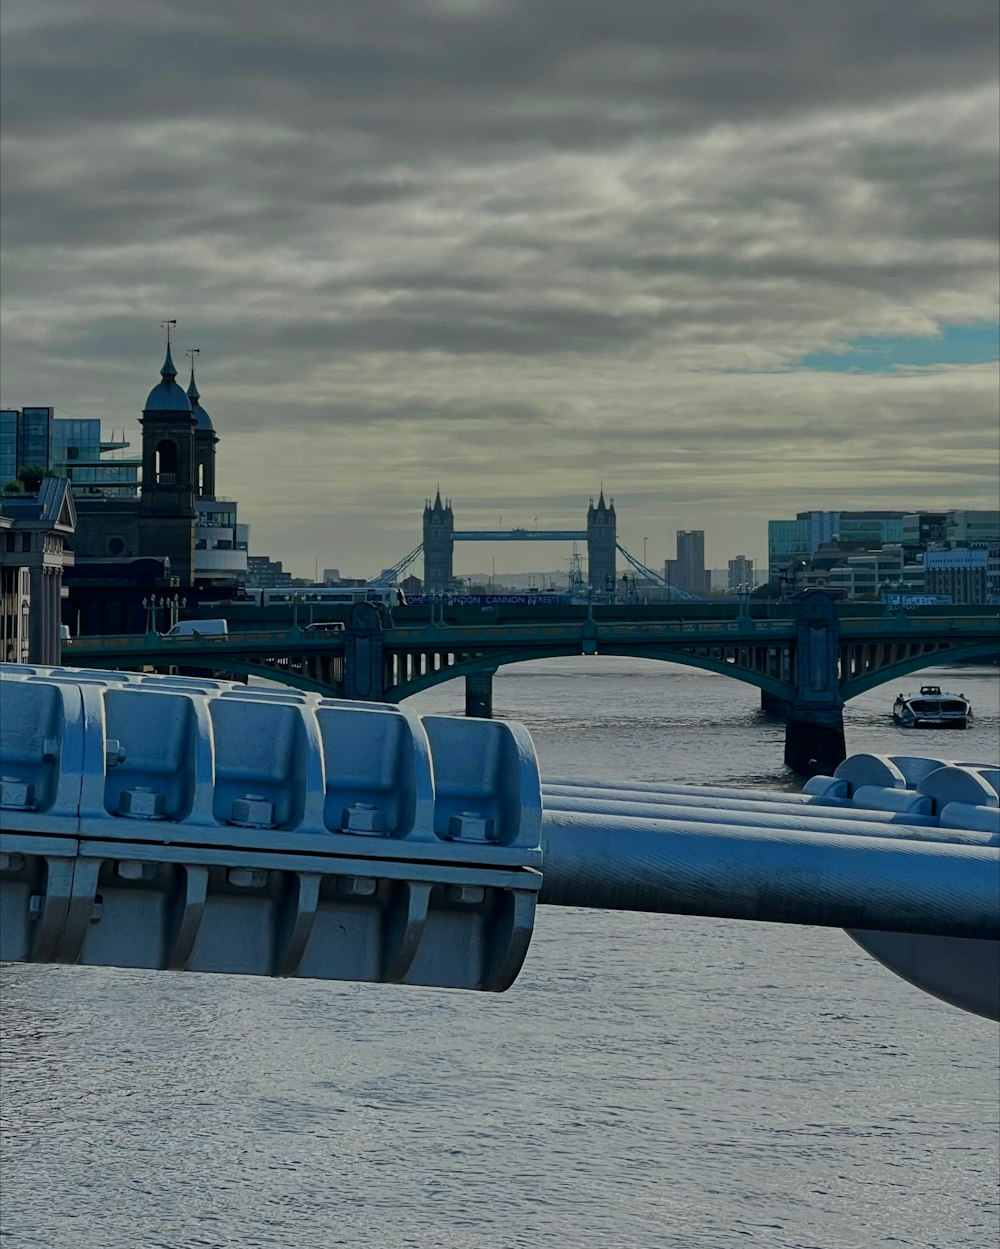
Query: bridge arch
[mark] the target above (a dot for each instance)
(487, 664)
(915, 663)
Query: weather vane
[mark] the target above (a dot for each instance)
(168, 326)
(191, 353)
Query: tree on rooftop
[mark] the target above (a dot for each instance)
(31, 475)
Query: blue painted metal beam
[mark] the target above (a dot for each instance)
(520, 535)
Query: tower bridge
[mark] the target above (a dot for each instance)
(440, 536)
(600, 535)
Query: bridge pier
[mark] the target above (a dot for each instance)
(479, 695)
(772, 705)
(364, 648)
(814, 741)
(814, 721)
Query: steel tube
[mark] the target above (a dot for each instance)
(770, 875)
(690, 797)
(657, 789)
(816, 819)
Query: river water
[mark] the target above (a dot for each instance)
(648, 1081)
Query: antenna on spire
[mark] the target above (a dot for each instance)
(168, 325)
(191, 353)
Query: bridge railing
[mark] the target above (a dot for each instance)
(930, 624)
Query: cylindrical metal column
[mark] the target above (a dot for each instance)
(657, 790)
(614, 863)
(839, 820)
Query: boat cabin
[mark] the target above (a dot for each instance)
(930, 689)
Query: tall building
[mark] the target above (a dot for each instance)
(9, 420)
(602, 546)
(688, 571)
(741, 575)
(439, 528)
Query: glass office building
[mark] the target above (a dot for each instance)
(34, 438)
(75, 440)
(9, 421)
(66, 446)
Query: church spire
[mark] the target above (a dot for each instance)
(168, 372)
(192, 390)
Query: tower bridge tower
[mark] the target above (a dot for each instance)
(602, 545)
(439, 545)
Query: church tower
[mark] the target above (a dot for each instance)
(602, 543)
(439, 545)
(205, 440)
(167, 515)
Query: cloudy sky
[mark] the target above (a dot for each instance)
(732, 258)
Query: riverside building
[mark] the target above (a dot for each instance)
(162, 505)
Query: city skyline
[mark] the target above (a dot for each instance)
(732, 264)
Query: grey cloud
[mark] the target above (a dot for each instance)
(525, 246)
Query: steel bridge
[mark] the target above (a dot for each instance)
(672, 593)
(806, 663)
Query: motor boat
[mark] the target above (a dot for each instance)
(932, 709)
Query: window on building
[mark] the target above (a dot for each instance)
(25, 541)
(166, 462)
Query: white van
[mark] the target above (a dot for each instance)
(198, 629)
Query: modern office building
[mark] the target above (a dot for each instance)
(35, 438)
(870, 574)
(792, 542)
(9, 421)
(267, 573)
(741, 575)
(960, 573)
(971, 529)
(688, 571)
(952, 554)
(923, 529)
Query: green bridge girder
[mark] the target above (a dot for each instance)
(760, 653)
(488, 664)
